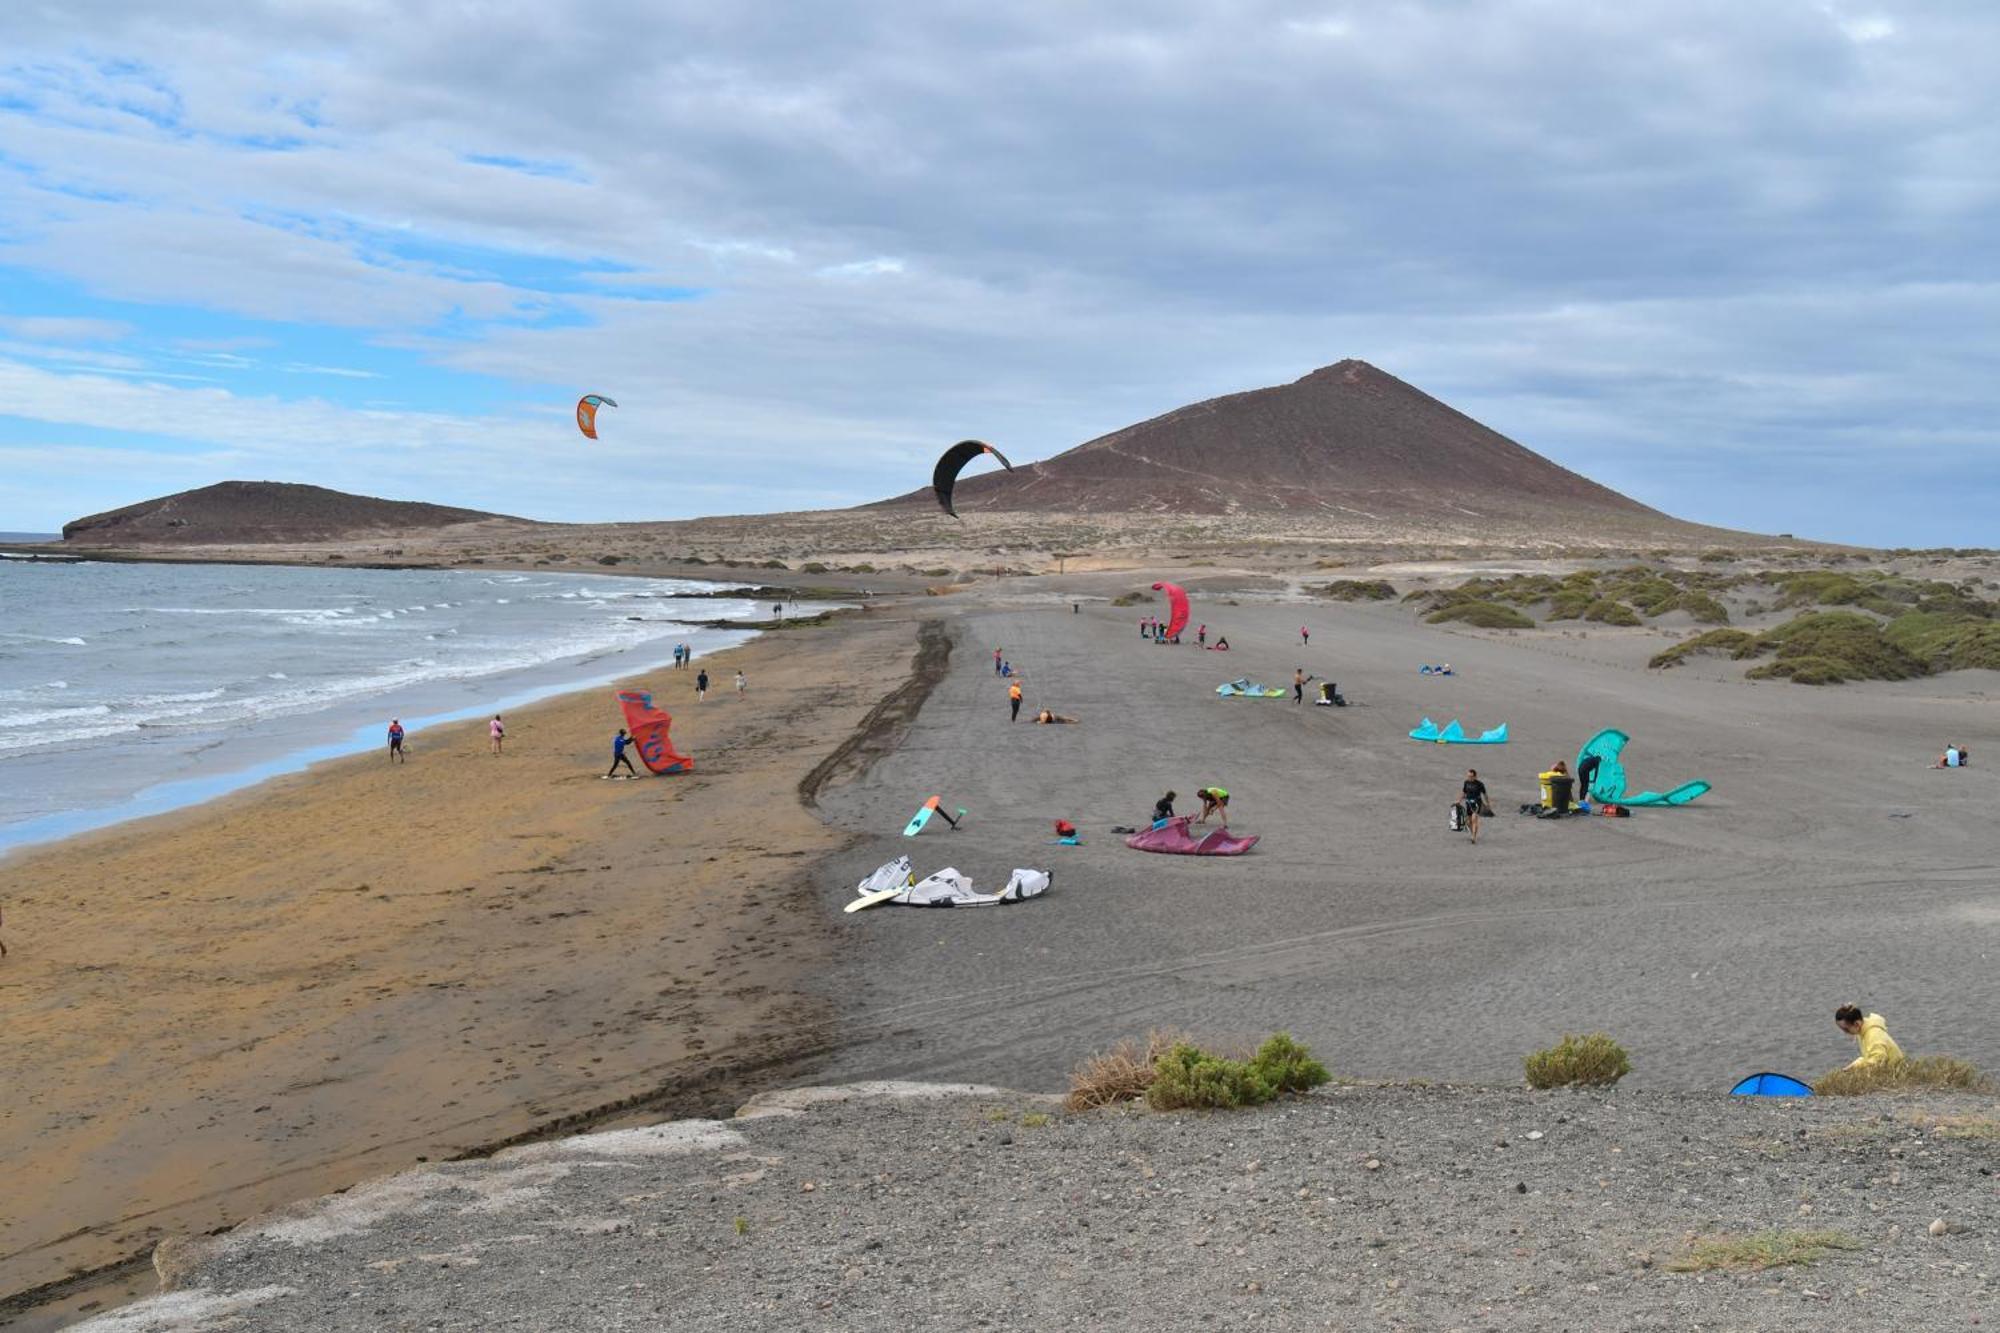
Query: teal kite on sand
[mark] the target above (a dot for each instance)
(1451, 733)
(1608, 787)
(1244, 687)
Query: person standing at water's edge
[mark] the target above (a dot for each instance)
(618, 755)
(1014, 701)
(1871, 1031)
(496, 733)
(741, 683)
(396, 755)
(701, 685)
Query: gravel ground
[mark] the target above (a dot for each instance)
(963, 1207)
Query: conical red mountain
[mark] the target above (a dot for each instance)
(1346, 439)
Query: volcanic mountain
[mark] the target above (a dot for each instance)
(245, 512)
(1347, 439)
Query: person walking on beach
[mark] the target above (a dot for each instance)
(1299, 685)
(1305, 637)
(396, 742)
(1474, 795)
(1214, 801)
(1014, 702)
(1201, 636)
(701, 685)
(996, 661)
(1871, 1031)
(496, 733)
(741, 683)
(618, 755)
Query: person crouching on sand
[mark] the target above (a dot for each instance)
(1871, 1032)
(396, 741)
(1163, 809)
(1214, 801)
(496, 733)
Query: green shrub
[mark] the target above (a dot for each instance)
(1481, 615)
(1286, 1065)
(812, 567)
(1593, 1061)
(607, 559)
(1131, 598)
(1709, 641)
(1946, 642)
(1704, 610)
(1610, 612)
(1358, 590)
(1926, 1072)
(1828, 647)
(1571, 603)
(1188, 1078)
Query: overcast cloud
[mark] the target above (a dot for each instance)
(1735, 260)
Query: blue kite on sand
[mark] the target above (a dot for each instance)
(1770, 1085)
(1452, 733)
(1244, 687)
(1608, 786)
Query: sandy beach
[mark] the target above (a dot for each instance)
(365, 966)
(1829, 862)
(361, 968)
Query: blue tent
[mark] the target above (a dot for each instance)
(1770, 1085)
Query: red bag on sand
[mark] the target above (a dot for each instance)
(1065, 829)
(1614, 811)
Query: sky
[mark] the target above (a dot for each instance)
(1735, 260)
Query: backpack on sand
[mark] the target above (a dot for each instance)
(1457, 818)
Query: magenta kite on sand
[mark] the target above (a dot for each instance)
(1173, 837)
(1177, 608)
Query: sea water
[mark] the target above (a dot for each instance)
(130, 688)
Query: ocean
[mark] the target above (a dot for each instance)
(126, 689)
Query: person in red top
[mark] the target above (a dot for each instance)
(396, 755)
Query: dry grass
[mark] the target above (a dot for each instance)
(1926, 1073)
(1761, 1250)
(1121, 1074)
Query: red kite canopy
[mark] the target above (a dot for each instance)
(648, 726)
(1177, 608)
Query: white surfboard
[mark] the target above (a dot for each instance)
(871, 899)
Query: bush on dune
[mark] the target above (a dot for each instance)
(1946, 642)
(1829, 647)
(1607, 611)
(1592, 1061)
(1174, 1074)
(1481, 615)
(1359, 590)
(1926, 1073)
(1730, 641)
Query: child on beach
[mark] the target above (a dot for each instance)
(740, 682)
(1163, 809)
(496, 733)
(396, 755)
(618, 755)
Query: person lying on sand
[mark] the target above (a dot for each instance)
(1214, 801)
(1045, 717)
(1872, 1033)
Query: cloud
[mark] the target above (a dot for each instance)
(1658, 241)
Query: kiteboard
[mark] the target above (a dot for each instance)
(879, 896)
(921, 818)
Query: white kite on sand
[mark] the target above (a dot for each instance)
(895, 882)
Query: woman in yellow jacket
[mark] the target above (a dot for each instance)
(1872, 1032)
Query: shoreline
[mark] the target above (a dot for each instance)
(731, 945)
(281, 744)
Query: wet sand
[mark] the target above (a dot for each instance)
(1714, 941)
(365, 965)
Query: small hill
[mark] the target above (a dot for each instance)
(1346, 440)
(249, 512)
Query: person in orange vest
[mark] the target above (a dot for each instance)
(1014, 701)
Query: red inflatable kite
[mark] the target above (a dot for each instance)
(648, 726)
(1177, 608)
